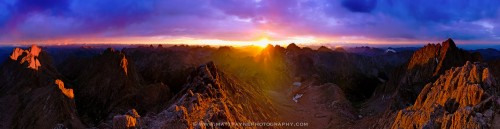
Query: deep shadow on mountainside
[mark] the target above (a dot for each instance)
(436, 86)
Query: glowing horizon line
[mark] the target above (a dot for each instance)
(221, 42)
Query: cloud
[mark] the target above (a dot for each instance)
(250, 19)
(364, 6)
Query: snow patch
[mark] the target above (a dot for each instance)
(297, 97)
(381, 80)
(297, 84)
(390, 50)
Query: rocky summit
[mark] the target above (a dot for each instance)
(425, 65)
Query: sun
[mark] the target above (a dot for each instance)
(263, 42)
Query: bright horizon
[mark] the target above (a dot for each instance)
(243, 23)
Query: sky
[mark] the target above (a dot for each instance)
(237, 22)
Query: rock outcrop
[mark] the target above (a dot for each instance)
(66, 91)
(124, 65)
(463, 97)
(211, 97)
(124, 122)
(29, 56)
(127, 121)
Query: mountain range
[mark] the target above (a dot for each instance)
(436, 86)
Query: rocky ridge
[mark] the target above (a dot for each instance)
(463, 97)
(211, 96)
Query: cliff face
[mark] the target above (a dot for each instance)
(212, 96)
(463, 97)
(425, 66)
(434, 59)
(32, 94)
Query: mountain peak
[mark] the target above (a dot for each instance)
(292, 47)
(30, 56)
(439, 56)
(109, 50)
(324, 49)
(450, 43)
(426, 64)
(16, 53)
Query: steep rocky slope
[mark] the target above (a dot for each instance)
(214, 96)
(495, 68)
(425, 65)
(32, 94)
(407, 81)
(463, 97)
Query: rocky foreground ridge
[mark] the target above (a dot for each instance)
(211, 96)
(463, 97)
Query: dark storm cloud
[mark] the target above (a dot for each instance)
(359, 5)
(55, 6)
(237, 19)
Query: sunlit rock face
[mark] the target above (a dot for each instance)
(30, 56)
(66, 91)
(16, 53)
(127, 121)
(425, 66)
(124, 65)
(463, 97)
(434, 59)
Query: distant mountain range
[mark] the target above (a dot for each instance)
(435, 86)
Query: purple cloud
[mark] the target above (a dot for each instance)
(247, 20)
